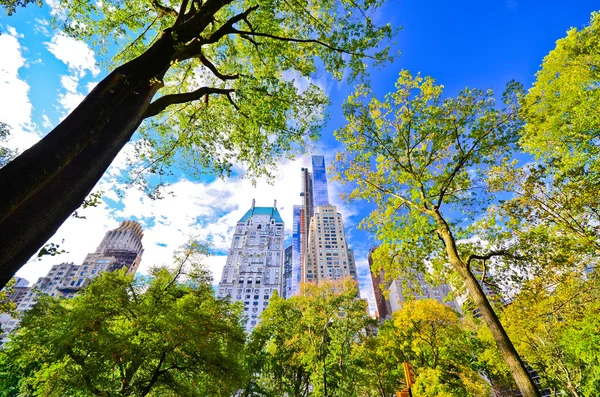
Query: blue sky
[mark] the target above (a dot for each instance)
(44, 75)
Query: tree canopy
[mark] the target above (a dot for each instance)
(423, 158)
(125, 336)
(214, 84)
(311, 342)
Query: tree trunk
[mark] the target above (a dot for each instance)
(507, 350)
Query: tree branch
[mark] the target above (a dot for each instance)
(163, 10)
(155, 376)
(406, 201)
(194, 47)
(165, 101)
(294, 40)
(181, 16)
(462, 162)
(490, 255)
(214, 70)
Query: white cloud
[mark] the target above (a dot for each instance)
(42, 26)
(69, 101)
(46, 123)
(13, 32)
(90, 86)
(15, 106)
(56, 9)
(69, 83)
(77, 55)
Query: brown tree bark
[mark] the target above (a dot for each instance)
(42, 187)
(507, 350)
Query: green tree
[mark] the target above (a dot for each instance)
(213, 81)
(6, 154)
(6, 306)
(555, 200)
(382, 371)
(130, 337)
(423, 160)
(554, 323)
(563, 106)
(439, 346)
(312, 339)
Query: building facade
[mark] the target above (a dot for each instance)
(320, 190)
(120, 248)
(254, 267)
(328, 255)
(319, 247)
(383, 307)
(296, 250)
(287, 272)
(415, 286)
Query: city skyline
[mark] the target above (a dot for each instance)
(209, 208)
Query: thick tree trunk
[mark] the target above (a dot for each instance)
(505, 346)
(33, 220)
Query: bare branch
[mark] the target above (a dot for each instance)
(403, 199)
(181, 17)
(463, 160)
(163, 10)
(214, 70)
(165, 101)
(294, 40)
(232, 102)
(490, 255)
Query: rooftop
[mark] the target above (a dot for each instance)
(271, 211)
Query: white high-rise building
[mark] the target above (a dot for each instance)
(254, 267)
(120, 248)
(328, 256)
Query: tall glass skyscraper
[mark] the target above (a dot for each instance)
(287, 273)
(320, 191)
(296, 250)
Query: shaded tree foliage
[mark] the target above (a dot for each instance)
(310, 342)
(166, 335)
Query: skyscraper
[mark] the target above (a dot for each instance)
(320, 189)
(254, 267)
(296, 249)
(328, 255)
(382, 304)
(120, 248)
(398, 288)
(319, 246)
(286, 291)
